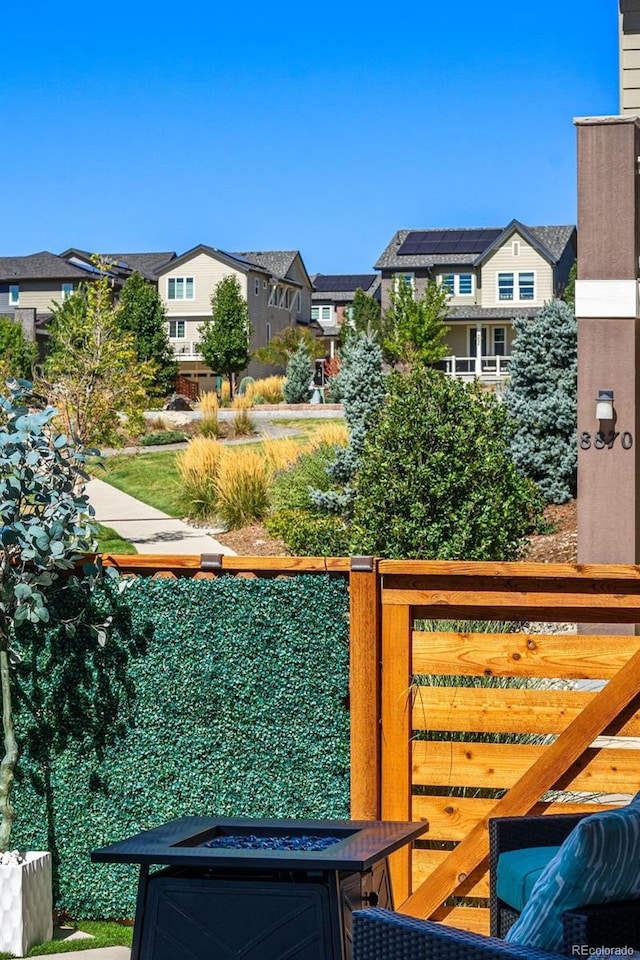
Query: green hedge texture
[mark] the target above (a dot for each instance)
(211, 697)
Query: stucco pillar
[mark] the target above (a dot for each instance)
(608, 339)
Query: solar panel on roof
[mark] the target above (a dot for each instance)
(442, 242)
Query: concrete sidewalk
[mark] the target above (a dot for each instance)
(148, 529)
(100, 953)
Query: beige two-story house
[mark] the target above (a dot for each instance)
(274, 283)
(492, 275)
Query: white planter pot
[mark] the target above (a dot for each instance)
(26, 904)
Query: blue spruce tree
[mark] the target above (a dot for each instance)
(541, 399)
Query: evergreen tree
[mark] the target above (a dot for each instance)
(299, 373)
(142, 313)
(414, 329)
(569, 292)
(541, 398)
(436, 481)
(226, 336)
(362, 388)
(17, 355)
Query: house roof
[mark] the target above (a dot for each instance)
(236, 260)
(341, 283)
(125, 263)
(476, 312)
(38, 266)
(277, 262)
(468, 245)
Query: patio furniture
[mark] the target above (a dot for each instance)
(380, 934)
(256, 888)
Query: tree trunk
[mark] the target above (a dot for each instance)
(8, 764)
(230, 375)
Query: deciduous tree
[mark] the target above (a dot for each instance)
(142, 314)
(92, 374)
(284, 344)
(226, 336)
(414, 329)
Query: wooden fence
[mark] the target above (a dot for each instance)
(499, 724)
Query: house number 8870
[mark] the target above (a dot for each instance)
(606, 441)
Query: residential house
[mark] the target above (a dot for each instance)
(120, 265)
(275, 284)
(30, 284)
(331, 300)
(492, 275)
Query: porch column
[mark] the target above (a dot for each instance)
(608, 339)
(478, 348)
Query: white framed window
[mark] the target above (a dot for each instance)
(268, 333)
(315, 313)
(500, 341)
(517, 287)
(458, 284)
(256, 287)
(273, 295)
(264, 284)
(14, 294)
(67, 290)
(515, 248)
(326, 313)
(408, 278)
(180, 288)
(176, 329)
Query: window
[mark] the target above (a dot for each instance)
(287, 298)
(517, 286)
(180, 288)
(526, 286)
(264, 284)
(458, 284)
(505, 286)
(499, 341)
(326, 313)
(268, 332)
(315, 313)
(273, 296)
(176, 329)
(67, 290)
(515, 248)
(14, 294)
(256, 287)
(408, 278)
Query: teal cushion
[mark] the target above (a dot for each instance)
(518, 871)
(599, 862)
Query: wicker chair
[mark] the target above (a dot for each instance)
(516, 833)
(385, 935)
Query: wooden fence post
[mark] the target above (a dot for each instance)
(364, 687)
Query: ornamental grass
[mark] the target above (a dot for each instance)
(267, 390)
(329, 434)
(198, 467)
(281, 453)
(243, 423)
(242, 487)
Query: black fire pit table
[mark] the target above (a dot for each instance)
(256, 889)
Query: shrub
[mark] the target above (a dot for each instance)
(296, 387)
(242, 487)
(267, 390)
(243, 422)
(209, 427)
(209, 403)
(310, 535)
(161, 437)
(436, 480)
(290, 489)
(541, 397)
(198, 467)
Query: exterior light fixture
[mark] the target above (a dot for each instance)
(604, 405)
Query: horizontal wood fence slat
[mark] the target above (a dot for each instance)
(451, 818)
(426, 861)
(475, 919)
(521, 654)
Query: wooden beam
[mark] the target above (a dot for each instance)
(364, 689)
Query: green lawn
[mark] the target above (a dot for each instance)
(150, 477)
(104, 934)
(111, 542)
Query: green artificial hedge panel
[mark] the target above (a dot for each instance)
(211, 697)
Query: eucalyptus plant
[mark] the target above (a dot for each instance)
(46, 526)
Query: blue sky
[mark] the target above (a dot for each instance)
(324, 128)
